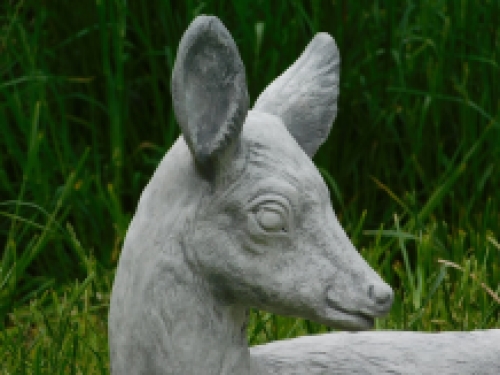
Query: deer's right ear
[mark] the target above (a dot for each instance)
(209, 90)
(305, 95)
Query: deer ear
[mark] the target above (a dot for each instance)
(209, 89)
(305, 95)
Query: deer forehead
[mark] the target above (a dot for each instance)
(271, 133)
(275, 163)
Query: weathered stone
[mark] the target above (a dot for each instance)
(237, 216)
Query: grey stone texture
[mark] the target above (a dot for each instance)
(237, 216)
(384, 352)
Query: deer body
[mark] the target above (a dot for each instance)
(237, 216)
(384, 352)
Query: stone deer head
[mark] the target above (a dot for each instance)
(237, 216)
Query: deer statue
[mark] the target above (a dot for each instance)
(237, 216)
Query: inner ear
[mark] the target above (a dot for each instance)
(209, 90)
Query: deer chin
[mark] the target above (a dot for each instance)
(341, 318)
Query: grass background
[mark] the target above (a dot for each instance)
(412, 162)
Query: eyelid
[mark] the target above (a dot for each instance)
(274, 187)
(272, 199)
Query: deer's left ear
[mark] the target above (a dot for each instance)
(305, 95)
(209, 90)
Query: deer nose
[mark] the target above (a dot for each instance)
(382, 295)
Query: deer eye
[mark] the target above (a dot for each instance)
(272, 217)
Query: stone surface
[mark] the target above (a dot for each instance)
(237, 216)
(384, 352)
(305, 95)
(209, 89)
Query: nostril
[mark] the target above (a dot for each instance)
(382, 294)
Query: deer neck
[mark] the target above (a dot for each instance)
(209, 336)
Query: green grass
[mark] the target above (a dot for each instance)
(413, 160)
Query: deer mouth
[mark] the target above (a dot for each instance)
(349, 320)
